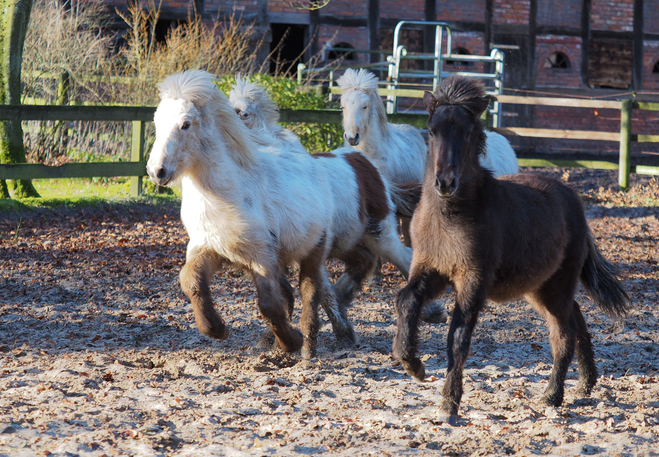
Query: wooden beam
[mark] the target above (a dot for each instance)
(637, 47)
(645, 170)
(595, 164)
(558, 133)
(374, 29)
(72, 170)
(585, 40)
(625, 143)
(76, 113)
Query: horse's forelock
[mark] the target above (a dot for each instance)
(462, 91)
(362, 80)
(257, 94)
(196, 86)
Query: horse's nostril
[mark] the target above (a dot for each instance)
(161, 173)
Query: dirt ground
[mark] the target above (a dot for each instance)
(99, 355)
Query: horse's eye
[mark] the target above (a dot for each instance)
(364, 107)
(185, 126)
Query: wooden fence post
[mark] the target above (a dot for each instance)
(625, 143)
(137, 155)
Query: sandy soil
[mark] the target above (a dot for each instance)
(99, 355)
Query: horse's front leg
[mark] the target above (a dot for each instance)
(470, 300)
(423, 286)
(273, 303)
(268, 338)
(195, 279)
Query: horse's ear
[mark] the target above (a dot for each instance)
(429, 102)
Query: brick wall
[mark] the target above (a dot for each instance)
(650, 16)
(227, 6)
(279, 6)
(403, 10)
(561, 13)
(617, 15)
(511, 11)
(346, 8)
(464, 10)
(472, 42)
(357, 37)
(558, 77)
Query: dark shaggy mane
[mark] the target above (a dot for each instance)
(462, 91)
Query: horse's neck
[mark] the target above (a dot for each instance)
(374, 142)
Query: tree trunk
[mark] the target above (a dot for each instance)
(13, 27)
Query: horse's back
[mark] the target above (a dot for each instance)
(403, 157)
(542, 228)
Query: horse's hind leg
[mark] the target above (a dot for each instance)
(315, 289)
(585, 356)
(268, 338)
(195, 279)
(274, 307)
(359, 262)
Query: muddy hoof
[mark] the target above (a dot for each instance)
(414, 367)
(451, 419)
(347, 337)
(584, 389)
(308, 353)
(554, 399)
(266, 341)
(294, 342)
(434, 313)
(217, 330)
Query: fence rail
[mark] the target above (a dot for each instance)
(139, 115)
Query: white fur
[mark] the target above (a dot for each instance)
(259, 112)
(399, 150)
(257, 207)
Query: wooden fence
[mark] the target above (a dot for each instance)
(136, 168)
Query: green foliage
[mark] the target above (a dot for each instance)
(289, 95)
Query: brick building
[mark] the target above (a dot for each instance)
(584, 47)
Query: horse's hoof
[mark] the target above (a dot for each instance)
(308, 353)
(584, 389)
(414, 367)
(347, 338)
(217, 331)
(552, 399)
(434, 313)
(451, 419)
(266, 341)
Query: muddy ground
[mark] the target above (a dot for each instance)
(99, 355)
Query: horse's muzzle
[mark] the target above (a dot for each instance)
(352, 141)
(160, 176)
(446, 187)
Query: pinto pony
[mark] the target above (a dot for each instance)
(498, 239)
(260, 210)
(259, 112)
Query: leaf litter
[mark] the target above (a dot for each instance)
(100, 356)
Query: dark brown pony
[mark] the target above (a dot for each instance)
(498, 239)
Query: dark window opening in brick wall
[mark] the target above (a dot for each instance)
(558, 60)
(655, 69)
(287, 47)
(338, 51)
(163, 27)
(461, 63)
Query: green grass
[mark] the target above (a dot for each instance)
(82, 192)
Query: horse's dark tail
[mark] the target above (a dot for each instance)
(599, 278)
(406, 197)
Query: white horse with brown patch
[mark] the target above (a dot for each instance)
(261, 210)
(259, 112)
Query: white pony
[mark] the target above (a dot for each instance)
(399, 150)
(261, 210)
(259, 112)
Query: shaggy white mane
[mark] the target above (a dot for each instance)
(256, 94)
(360, 80)
(191, 85)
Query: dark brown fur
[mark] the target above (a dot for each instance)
(373, 201)
(521, 235)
